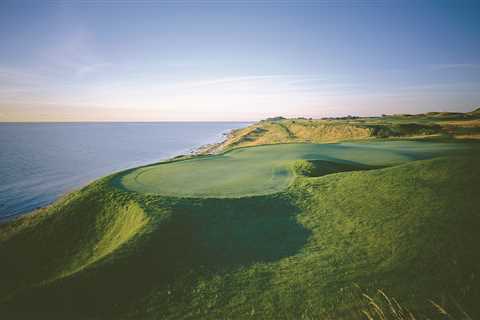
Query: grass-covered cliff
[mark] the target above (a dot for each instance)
(436, 125)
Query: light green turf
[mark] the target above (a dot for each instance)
(268, 169)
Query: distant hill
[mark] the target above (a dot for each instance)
(452, 125)
(274, 119)
(476, 111)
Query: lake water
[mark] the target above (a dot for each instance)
(41, 161)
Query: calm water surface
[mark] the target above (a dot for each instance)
(40, 162)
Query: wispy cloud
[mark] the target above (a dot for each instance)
(17, 76)
(255, 78)
(59, 72)
(253, 95)
(64, 87)
(72, 53)
(455, 66)
(84, 69)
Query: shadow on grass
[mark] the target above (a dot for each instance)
(229, 232)
(188, 239)
(318, 168)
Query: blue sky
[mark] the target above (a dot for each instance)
(237, 60)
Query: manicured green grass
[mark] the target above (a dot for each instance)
(268, 169)
(411, 229)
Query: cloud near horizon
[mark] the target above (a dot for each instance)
(242, 98)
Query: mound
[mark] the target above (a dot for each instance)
(298, 130)
(67, 237)
(318, 168)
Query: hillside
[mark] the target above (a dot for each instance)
(438, 125)
(307, 251)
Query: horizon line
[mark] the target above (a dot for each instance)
(238, 121)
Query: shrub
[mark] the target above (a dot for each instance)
(304, 168)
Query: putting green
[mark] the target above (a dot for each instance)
(268, 169)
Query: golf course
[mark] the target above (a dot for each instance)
(269, 169)
(319, 224)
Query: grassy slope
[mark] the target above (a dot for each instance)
(434, 124)
(106, 253)
(67, 237)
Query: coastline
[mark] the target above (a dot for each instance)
(201, 150)
(216, 147)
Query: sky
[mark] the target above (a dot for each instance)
(237, 60)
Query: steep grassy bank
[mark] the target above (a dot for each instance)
(67, 237)
(108, 253)
(444, 125)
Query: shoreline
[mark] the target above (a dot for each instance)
(201, 150)
(216, 147)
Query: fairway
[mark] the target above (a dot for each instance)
(268, 169)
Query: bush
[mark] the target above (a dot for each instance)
(304, 168)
